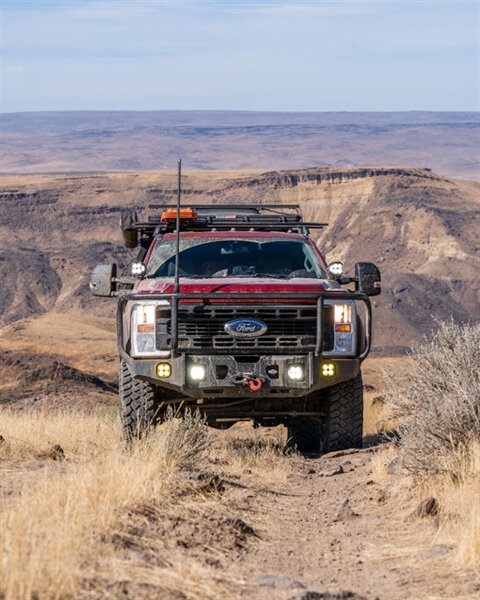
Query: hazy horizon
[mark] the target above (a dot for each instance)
(237, 110)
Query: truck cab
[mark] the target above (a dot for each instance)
(233, 310)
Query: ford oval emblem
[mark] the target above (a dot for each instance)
(245, 328)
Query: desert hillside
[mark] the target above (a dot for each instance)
(446, 142)
(420, 228)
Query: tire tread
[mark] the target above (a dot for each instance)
(137, 406)
(344, 427)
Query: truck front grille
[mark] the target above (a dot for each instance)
(202, 327)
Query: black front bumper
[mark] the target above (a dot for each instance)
(226, 377)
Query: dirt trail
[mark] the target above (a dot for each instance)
(333, 528)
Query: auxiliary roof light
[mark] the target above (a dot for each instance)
(138, 268)
(335, 268)
(186, 214)
(329, 369)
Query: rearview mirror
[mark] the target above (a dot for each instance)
(102, 280)
(367, 276)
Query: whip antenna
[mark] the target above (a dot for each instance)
(177, 239)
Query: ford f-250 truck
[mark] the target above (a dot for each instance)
(234, 311)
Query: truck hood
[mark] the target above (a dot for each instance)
(226, 285)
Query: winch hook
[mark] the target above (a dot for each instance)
(255, 384)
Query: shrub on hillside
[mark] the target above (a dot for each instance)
(438, 401)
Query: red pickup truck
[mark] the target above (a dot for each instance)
(234, 311)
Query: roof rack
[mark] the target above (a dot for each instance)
(217, 207)
(239, 217)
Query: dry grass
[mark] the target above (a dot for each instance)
(62, 525)
(437, 407)
(459, 505)
(261, 454)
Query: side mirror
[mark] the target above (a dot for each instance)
(102, 279)
(367, 276)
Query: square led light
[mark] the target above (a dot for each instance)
(197, 372)
(164, 370)
(295, 372)
(329, 369)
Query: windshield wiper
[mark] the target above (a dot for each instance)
(270, 275)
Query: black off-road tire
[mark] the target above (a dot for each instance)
(343, 428)
(138, 405)
(304, 434)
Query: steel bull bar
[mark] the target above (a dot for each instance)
(176, 298)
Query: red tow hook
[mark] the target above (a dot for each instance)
(255, 384)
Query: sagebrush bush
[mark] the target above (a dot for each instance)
(184, 438)
(437, 402)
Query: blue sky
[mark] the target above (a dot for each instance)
(275, 55)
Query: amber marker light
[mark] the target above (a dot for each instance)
(329, 369)
(164, 370)
(343, 327)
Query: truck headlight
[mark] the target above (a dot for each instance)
(143, 331)
(344, 319)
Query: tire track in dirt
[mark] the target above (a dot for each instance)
(334, 528)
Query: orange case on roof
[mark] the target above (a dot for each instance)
(170, 214)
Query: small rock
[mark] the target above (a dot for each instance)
(393, 466)
(311, 472)
(378, 401)
(282, 582)
(327, 595)
(207, 481)
(339, 453)
(56, 452)
(426, 508)
(345, 512)
(435, 551)
(331, 472)
(383, 496)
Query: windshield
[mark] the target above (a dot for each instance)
(270, 257)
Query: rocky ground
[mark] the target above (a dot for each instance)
(334, 527)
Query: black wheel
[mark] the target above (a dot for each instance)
(304, 434)
(138, 405)
(344, 425)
